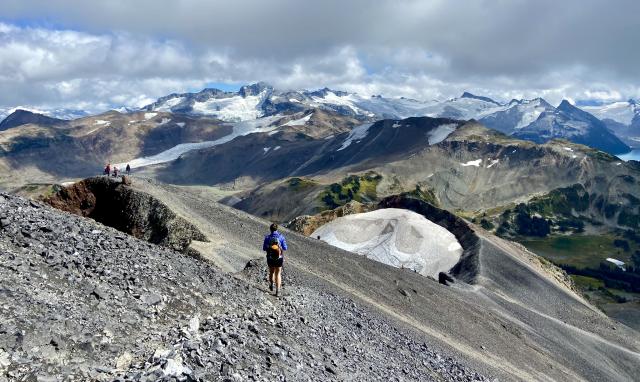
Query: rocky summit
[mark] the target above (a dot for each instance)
(82, 301)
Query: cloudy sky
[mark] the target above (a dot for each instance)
(97, 54)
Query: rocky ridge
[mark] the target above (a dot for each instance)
(502, 305)
(83, 301)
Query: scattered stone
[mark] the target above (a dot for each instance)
(124, 361)
(115, 308)
(151, 298)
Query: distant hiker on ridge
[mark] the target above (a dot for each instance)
(128, 169)
(115, 171)
(107, 169)
(274, 245)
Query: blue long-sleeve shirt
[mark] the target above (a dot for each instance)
(281, 240)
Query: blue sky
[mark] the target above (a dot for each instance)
(98, 54)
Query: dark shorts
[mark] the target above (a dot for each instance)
(275, 263)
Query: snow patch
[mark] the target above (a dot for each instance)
(299, 122)
(102, 122)
(262, 125)
(475, 163)
(164, 121)
(493, 162)
(148, 116)
(232, 109)
(273, 132)
(266, 149)
(348, 101)
(181, 124)
(617, 262)
(168, 104)
(622, 112)
(396, 125)
(356, 134)
(397, 237)
(441, 133)
(568, 149)
(276, 148)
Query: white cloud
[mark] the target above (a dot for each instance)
(426, 50)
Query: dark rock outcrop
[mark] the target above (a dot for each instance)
(113, 203)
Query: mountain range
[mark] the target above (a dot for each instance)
(536, 120)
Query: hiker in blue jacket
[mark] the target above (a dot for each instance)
(274, 245)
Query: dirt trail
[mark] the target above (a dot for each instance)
(221, 248)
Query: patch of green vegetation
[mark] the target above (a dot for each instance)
(561, 201)
(553, 212)
(427, 195)
(484, 223)
(361, 188)
(601, 155)
(580, 251)
(300, 184)
(587, 283)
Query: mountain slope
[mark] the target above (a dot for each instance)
(505, 314)
(82, 147)
(623, 118)
(473, 169)
(24, 117)
(275, 155)
(517, 115)
(571, 123)
(244, 105)
(92, 303)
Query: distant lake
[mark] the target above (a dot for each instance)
(633, 155)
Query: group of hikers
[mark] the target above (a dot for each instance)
(113, 171)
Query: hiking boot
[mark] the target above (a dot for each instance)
(271, 287)
(277, 292)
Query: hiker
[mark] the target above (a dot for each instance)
(107, 169)
(115, 171)
(128, 169)
(274, 245)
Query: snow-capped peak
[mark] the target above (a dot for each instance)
(622, 111)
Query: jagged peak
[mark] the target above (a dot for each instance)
(324, 91)
(565, 105)
(254, 89)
